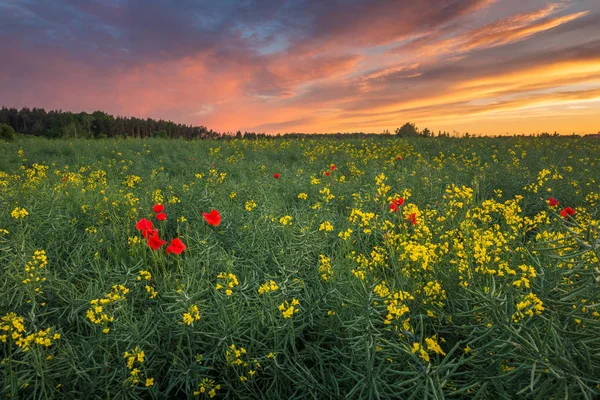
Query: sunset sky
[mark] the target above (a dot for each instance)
(482, 66)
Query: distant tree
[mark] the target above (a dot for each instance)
(385, 132)
(7, 133)
(426, 133)
(407, 130)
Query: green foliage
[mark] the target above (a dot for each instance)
(481, 211)
(7, 133)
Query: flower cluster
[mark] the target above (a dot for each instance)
(147, 277)
(207, 386)
(135, 359)
(432, 346)
(250, 205)
(131, 181)
(396, 203)
(529, 306)
(345, 235)
(12, 329)
(285, 220)
(101, 310)
(326, 226)
(35, 271)
(145, 226)
(237, 357)
(227, 281)
(19, 212)
(267, 287)
(289, 309)
(325, 267)
(192, 315)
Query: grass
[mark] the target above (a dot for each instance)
(491, 294)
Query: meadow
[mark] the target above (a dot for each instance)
(360, 268)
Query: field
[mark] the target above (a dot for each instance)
(359, 268)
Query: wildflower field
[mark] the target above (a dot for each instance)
(300, 268)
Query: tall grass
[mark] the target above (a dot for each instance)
(491, 294)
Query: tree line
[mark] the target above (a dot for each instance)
(65, 124)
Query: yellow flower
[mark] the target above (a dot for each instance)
(288, 310)
(345, 235)
(143, 274)
(19, 212)
(325, 267)
(326, 226)
(268, 287)
(227, 281)
(433, 346)
(303, 196)
(250, 205)
(417, 348)
(149, 382)
(192, 314)
(285, 220)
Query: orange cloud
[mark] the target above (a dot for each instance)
(509, 30)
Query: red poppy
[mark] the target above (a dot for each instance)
(143, 225)
(332, 167)
(327, 173)
(412, 218)
(155, 242)
(567, 212)
(213, 218)
(396, 203)
(276, 176)
(64, 179)
(161, 216)
(176, 246)
(552, 202)
(399, 158)
(146, 233)
(158, 208)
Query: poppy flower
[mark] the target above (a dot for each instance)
(332, 167)
(161, 216)
(64, 179)
(176, 246)
(155, 242)
(158, 208)
(213, 218)
(412, 218)
(327, 173)
(396, 203)
(276, 176)
(552, 202)
(567, 212)
(143, 225)
(399, 158)
(146, 233)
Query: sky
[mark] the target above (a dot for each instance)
(276, 66)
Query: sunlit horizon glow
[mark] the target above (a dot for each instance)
(277, 66)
